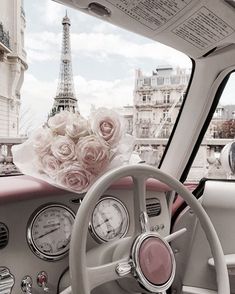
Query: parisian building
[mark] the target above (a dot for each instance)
(12, 65)
(157, 99)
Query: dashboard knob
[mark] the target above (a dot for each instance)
(42, 280)
(26, 285)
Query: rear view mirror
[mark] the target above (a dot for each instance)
(227, 158)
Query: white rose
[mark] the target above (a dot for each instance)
(63, 148)
(58, 122)
(93, 154)
(77, 128)
(50, 165)
(73, 176)
(107, 125)
(42, 140)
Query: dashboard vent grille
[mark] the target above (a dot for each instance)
(4, 235)
(153, 207)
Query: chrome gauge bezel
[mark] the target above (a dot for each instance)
(92, 230)
(30, 240)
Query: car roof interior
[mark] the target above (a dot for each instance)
(194, 27)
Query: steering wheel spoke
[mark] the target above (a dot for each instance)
(108, 262)
(175, 235)
(101, 274)
(141, 218)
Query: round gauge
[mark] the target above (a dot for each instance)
(110, 220)
(49, 231)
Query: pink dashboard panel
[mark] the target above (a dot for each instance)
(18, 188)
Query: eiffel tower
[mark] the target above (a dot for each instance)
(65, 96)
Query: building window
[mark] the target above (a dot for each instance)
(175, 79)
(147, 81)
(218, 112)
(167, 81)
(182, 96)
(166, 97)
(149, 98)
(164, 114)
(144, 98)
(160, 81)
(184, 80)
(154, 115)
(145, 131)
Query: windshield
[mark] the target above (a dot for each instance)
(109, 67)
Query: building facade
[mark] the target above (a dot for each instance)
(12, 64)
(157, 100)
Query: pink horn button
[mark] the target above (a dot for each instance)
(155, 261)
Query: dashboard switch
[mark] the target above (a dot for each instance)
(42, 280)
(26, 285)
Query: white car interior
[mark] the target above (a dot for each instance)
(191, 254)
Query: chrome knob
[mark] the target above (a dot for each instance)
(42, 280)
(26, 285)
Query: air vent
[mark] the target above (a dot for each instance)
(153, 207)
(3, 235)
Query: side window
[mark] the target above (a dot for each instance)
(220, 132)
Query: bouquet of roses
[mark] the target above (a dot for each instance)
(71, 152)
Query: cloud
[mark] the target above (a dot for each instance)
(37, 97)
(101, 45)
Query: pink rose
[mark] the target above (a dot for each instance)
(58, 122)
(42, 140)
(50, 165)
(63, 148)
(73, 176)
(93, 154)
(107, 125)
(77, 128)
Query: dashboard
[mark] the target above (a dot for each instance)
(38, 221)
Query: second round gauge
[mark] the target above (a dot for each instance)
(110, 220)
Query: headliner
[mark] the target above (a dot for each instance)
(194, 27)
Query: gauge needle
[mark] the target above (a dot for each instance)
(47, 233)
(105, 221)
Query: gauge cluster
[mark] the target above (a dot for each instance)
(49, 231)
(50, 227)
(110, 220)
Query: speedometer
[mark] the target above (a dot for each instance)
(49, 231)
(110, 220)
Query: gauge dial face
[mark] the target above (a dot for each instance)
(49, 232)
(110, 220)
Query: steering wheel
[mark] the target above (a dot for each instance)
(145, 256)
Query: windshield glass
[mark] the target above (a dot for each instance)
(109, 67)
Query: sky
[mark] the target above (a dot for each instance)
(104, 60)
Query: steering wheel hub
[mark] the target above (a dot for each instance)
(154, 262)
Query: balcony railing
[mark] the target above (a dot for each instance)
(7, 166)
(4, 38)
